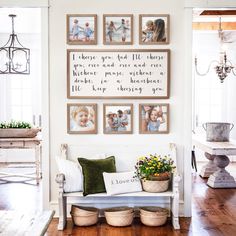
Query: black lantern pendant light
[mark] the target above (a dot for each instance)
(14, 58)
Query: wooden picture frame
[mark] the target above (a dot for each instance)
(108, 74)
(154, 29)
(118, 118)
(81, 29)
(117, 29)
(154, 118)
(85, 111)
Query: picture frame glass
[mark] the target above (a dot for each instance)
(118, 119)
(154, 29)
(82, 118)
(154, 118)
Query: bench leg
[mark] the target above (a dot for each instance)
(175, 211)
(62, 212)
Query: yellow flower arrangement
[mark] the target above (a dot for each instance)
(154, 166)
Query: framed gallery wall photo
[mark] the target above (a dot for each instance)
(154, 118)
(154, 29)
(137, 73)
(81, 118)
(117, 118)
(81, 29)
(117, 29)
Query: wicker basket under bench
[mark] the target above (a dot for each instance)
(172, 195)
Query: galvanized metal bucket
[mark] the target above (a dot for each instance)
(217, 131)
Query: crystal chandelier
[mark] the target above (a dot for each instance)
(14, 58)
(223, 67)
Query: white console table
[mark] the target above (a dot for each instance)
(23, 143)
(217, 153)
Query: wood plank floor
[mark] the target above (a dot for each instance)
(214, 214)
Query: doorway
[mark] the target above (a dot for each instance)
(21, 99)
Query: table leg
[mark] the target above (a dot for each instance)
(210, 167)
(221, 178)
(37, 162)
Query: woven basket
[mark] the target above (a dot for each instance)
(85, 220)
(118, 210)
(154, 186)
(153, 216)
(153, 220)
(119, 216)
(153, 211)
(83, 211)
(84, 216)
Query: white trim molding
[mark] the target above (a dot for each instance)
(209, 3)
(25, 3)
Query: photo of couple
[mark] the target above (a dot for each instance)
(154, 29)
(117, 119)
(154, 118)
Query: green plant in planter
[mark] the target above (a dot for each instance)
(154, 167)
(15, 125)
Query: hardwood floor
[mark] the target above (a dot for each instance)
(213, 213)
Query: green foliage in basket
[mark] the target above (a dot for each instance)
(15, 125)
(151, 166)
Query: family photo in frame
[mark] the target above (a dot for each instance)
(118, 29)
(81, 29)
(81, 118)
(153, 118)
(154, 29)
(118, 118)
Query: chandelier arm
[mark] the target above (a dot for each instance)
(17, 40)
(7, 42)
(234, 73)
(208, 69)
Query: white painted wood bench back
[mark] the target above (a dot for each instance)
(126, 157)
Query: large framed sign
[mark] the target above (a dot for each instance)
(118, 73)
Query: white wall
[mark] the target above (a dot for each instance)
(58, 100)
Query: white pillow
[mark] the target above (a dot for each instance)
(123, 182)
(73, 174)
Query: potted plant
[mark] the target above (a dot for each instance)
(17, 129)
(154, 172)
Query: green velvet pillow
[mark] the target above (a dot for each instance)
(93, 173)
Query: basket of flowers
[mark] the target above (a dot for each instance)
(154, 172)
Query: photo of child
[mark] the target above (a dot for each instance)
(118, 29)
(154, 118)
(117, 119)
(81, 29)
(154, 29)
(82, 118)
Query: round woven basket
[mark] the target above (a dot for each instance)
(118, 210)
(153, 220)
(119, 216)
(84, 216)
(85, 220)
(153, 211)
(83, 211)
(155, 186)
(153, 216)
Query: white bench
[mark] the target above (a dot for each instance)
(172, 195)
